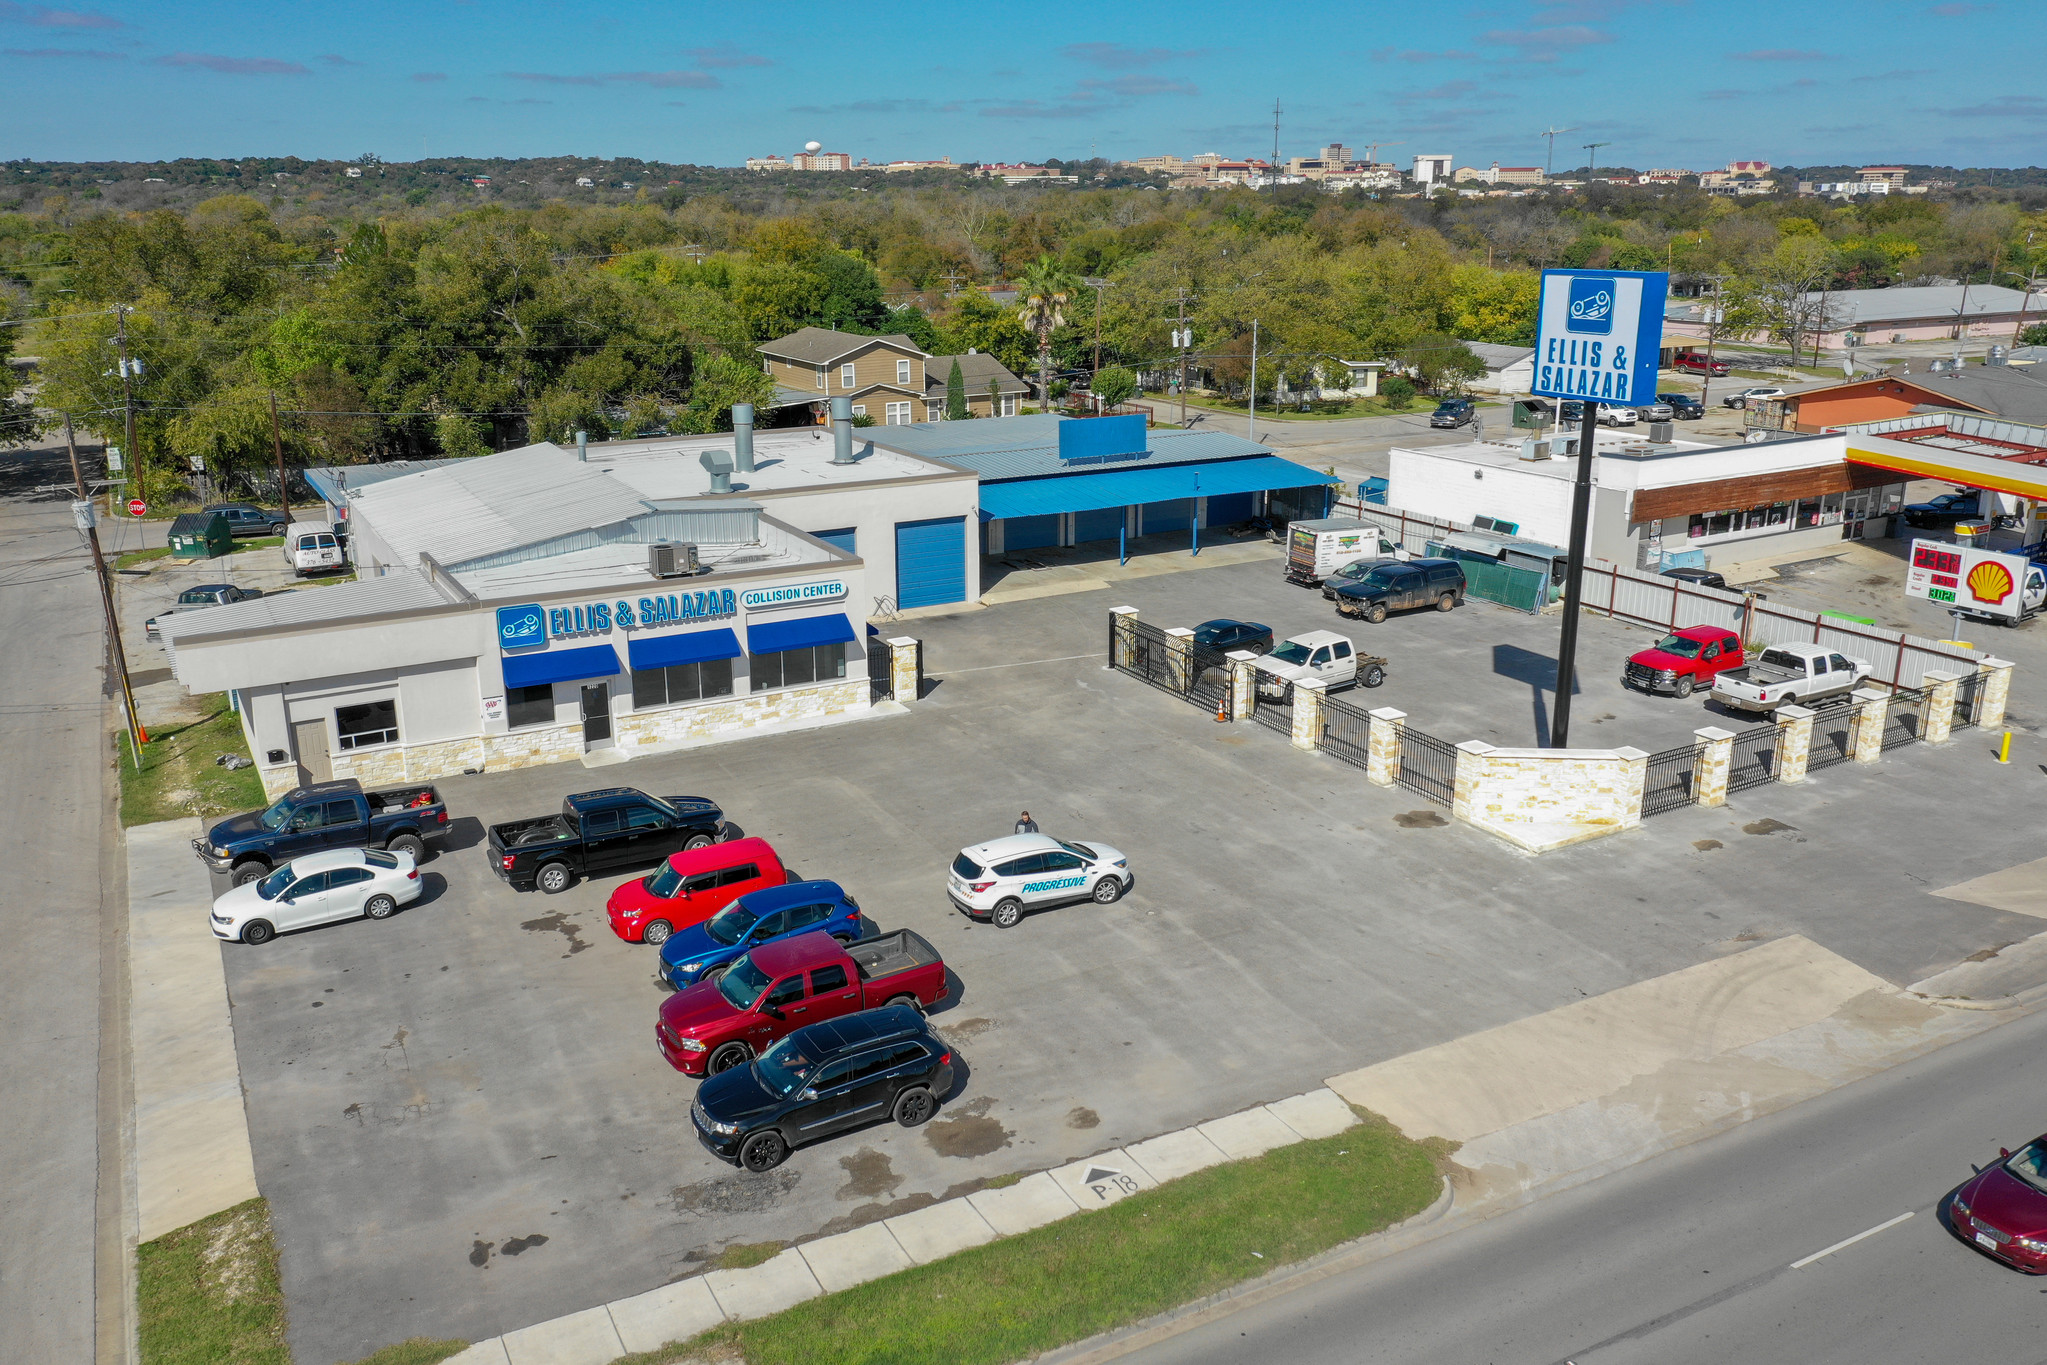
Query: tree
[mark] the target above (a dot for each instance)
(17, 418)
(956, 409)
(1442, 363)
(719, 382)
(2035, 335)
(1044, 292)
(1781, 294)
(1114, 385)
(978, 323)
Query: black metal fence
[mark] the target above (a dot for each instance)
(1275, 715)
(1753, 759)
(1428, 766)
(1200, 676)
(1667, 783)
(1905, 721)
(1968, 700)
(881, 666)
(1833, 733)
(1346, 731)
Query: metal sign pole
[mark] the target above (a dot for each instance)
(1574, 578)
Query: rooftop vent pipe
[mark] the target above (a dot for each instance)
(720, 466)
(842, 430)
(583, 445)
(742, 437)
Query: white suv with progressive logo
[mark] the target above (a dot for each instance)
(999, 880)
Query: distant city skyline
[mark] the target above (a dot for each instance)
(1660, 82)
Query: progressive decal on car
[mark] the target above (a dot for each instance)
(1056, 884)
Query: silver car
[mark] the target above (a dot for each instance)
(1653, 412)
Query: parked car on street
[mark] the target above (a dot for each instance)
(247, 519)
(1453, 412)
(1683, 661)
(343, 883)
(1685, 406)
(777, 988)
(1946, 510)
(1786, 674)
(1755, 395)
(313, 547)
(1614, 415)
(1226, 636)
(1401, 585)
(326, 815)
(1322, 655)
(205, 595)
(690, 887)
(1001, 879)
(1352, 573)
(2003, 1211)
(600, 831)
(1659, 411)
(1693, 363)
(701, 952)
(1705, 578)
(824, 1079)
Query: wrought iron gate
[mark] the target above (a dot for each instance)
(1753, 760)
(1428, 766)
(1905, 721)
(1346, 731)
(1667, 781)
(1833, 733)
(881, 668)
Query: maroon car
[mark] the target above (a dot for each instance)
(2003, 1211)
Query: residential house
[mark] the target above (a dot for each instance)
(887, 377)
(2009, 392)
(1508, 369)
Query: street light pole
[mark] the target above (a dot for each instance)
(277, 445)
(1099, 285)
(137, 736)
(128, 399)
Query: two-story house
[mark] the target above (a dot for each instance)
(887, 377)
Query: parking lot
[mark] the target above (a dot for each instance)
(463, 1125)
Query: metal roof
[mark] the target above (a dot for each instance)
(1123, 487)
(334, 482)
(1873, 307)
(819, 346)
(999, 448)
(396, 590)
(698, 523)
(472, 508)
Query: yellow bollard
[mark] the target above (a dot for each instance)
(2004, 749)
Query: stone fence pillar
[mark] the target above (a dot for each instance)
(1471, 756)
(1794, 742)
(1382, 752)
(1123, 637)
(1243, 684)
(1709, 769)
(906, 668)
(1180, 658)
(1939, 717)
(1866, 736)
(1633, 782)
(1995, 689)
(1308, 713)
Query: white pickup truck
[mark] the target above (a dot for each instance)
(1789, 674)
(1322, 655)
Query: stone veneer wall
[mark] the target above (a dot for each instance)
(646, 732)
(1540, 799)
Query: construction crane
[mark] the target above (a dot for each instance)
(1372, 150)
(1549, 166)
(1591, 161)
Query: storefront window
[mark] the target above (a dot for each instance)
(529, 705)
(795, 667)
(681, 682)
(1809, 512)
(374, 722)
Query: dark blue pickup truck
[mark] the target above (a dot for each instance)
(322, 816)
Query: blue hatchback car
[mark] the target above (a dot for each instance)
(702, 951)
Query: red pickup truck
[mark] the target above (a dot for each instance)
(1684, 661)
(779, 987)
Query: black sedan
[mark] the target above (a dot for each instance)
(1684, 405)
(824, 1079)
(1705, 578)
(1945, 510)
(1226, 636)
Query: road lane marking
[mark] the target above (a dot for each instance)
(1851, 1241)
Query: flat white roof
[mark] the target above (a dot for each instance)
(1627, 460)
(622, 568)
(791, 459)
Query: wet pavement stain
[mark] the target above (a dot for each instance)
(519, 1244)
(1768, 826)
(1083, 1117)
(558, 923)
(968, 1028)
(479, 1253)
(741, 1193)
(868, 1175)
(1419, 819)
(1707, 845)
(969, 1132)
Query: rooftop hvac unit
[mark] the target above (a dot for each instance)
(1660, 433)
(672, 559)
(1535, 448)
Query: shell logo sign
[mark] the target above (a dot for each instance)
(1990, 582)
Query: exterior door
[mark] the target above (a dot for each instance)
(347, 889)
(305, 903)
(606, 841)
(931, 562)
(596, 715)
(1857, 507)
(309, 742)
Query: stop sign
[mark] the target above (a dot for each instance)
(136, 507)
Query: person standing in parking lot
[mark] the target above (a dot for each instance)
(1026, 825)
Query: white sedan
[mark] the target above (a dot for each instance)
(1002, 878)
(343, 883)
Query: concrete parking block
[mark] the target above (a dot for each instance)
(1102, 1179)
(1172, 1155)
(938, 1230)
(1317, 1114)
(1248, 1132)
(585, 1338)
(674, 1312)
(849, 1258)
(490, 1352)
(1030, 1203)
(767, 1288)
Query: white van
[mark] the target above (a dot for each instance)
(312, 547)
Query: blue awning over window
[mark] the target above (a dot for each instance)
(773, 637)
(561, 665)
(1124, 487)
(692, 647)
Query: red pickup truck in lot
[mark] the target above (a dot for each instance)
(1684, 661)
(779, 987)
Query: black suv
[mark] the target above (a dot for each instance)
(1393, 585)
(1453, 412)
(1685, 405)
(247, 519)
(824, 1079)
(1945, 510)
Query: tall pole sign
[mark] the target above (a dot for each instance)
(1597, 334)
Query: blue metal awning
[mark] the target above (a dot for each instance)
(692, 647)
(772, 637)
(1123, 487)
(561, 665)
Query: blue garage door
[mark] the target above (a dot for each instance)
(1175, 514)
(1103, 523)
(1231, 507)
(842, 539)
(931, 562)
(1028, 533)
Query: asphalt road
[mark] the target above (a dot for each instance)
(1690, 1257)
(52, 758)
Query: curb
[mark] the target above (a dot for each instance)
(2032, 995)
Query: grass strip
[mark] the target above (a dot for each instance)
(1094, 1272)
(415, 1351)
(208, 1294)
(179, 777)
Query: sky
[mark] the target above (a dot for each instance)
(1664, 83)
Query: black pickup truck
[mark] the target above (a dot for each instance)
(325, 815)
(600, 831)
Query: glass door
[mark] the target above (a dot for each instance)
(596, 715)
(1857, 507)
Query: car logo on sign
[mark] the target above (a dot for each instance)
(1591, 305)
(520, 627)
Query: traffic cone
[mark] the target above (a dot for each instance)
(1222, 707)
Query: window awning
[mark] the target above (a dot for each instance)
(561, 665)
(1123, 487)
(691, 647)
(772, 637)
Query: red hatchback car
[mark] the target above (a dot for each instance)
(2003, 1211)
(690, 887)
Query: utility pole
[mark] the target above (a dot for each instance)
(128, 398)
(137, 736)
(1183, 339)
(277, 445)
(1098, 285)
(1713, 316)
(1251, 432)
(2025, 292)
(1275, 137)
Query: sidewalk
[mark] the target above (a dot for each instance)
(1057, 569)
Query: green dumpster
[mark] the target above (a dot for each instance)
(201, 535)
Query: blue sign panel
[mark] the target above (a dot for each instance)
(1597, 334)
(1100, 440)
(523, 627)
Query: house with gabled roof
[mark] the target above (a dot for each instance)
(888, 378)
